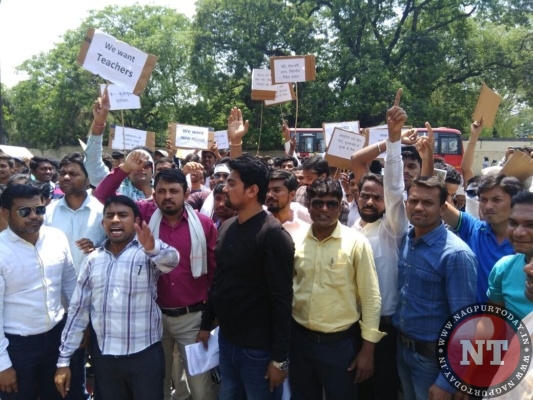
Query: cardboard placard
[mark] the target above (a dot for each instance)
(221, 137)
(292, 69)
(376, 135)
(487, 106)
(262, 88)
(116, 61)
(519, 165)
(190, 137)
(328, 127)
(284, 94)
(120, 99)
(122, 138)
(341, 147)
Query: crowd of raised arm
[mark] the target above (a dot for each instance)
(319, 281)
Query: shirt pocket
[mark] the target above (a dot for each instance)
(335, 275)
(427, 275)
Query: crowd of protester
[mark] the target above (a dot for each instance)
(323, 283)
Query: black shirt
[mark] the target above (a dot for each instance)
(251, 295)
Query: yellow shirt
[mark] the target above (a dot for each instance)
(335, 282)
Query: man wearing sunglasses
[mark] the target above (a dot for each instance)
(336, 306)
(36, 269)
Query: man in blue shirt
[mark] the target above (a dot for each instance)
(436, 277)
(487, 238)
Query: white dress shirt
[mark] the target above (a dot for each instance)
(385, 235)
(83, 223)
(32, 280)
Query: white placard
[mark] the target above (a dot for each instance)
(376, 135)
(192, 137)
(345, 143)
(289, 70)
(16, 151)
(262, 80)
(128, 138)
(352, 126)
(221, 138)
(115, 61)
(283, 95)
(120, 99)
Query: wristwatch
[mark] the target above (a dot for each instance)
(282, 366)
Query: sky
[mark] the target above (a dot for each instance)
(29, 27)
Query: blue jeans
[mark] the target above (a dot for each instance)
(34, 360)
(417, 373)
(243, 373)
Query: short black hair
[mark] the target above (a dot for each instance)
(74, 158)
(376, 167)
(164, 159)
(323, 187)
(219, 189)
(369, 176)
(316, 164)
(37, 160)
(430, 182)
(124, 200)
(522, 197)
(117, 155)
(252, 171)
(289, 180)
(171, 176)
(509, 184)
(452, 175)
(13, 192)
(9, 159)
(412, 153)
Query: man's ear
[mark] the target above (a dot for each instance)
(443, 209)
(292, 195)
(5, 213)
(253, 190)
(138, 221)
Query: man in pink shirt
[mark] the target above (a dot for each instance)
(182, 293)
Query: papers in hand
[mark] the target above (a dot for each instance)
(200, 360)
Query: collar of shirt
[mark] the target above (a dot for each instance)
(335, 234)
(63, 203)
(430, 237)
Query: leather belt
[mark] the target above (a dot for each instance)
(425, 349)
(322, 337)
(177, 312)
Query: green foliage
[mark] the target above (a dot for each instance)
(439, 52)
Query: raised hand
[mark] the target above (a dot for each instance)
(286, 131)
(396, 117)
(100, 111)
(425, 144)
(237, 128)
(144, 236)
(409, 137)
(475, 129)
(135, 160)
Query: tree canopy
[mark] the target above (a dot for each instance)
(439, 52)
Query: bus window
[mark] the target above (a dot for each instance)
(449, 145)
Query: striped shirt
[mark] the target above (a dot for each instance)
(118, 295)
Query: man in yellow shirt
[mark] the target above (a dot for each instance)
(336, 305)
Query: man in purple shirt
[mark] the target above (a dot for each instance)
(182, 293)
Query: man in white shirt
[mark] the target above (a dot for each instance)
(79, 217)
(282, 188)
(35, 270)
(116, 290)
(383, 220)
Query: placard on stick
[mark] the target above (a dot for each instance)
(262, 88)
(487, 106)
(341, 147)
(120, 99)
(127, 138)
(284, 94)
(190, 137)
(519, 165)
(292, 69)
(221, 137)
(116, 61)
(328, 127)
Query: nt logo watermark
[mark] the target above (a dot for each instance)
(484, 350)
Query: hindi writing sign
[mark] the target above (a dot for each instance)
(341, 147)
(120, 99)
(292, 69)
(122, 138)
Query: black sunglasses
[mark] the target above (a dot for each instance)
(26, 211)
(330, 204)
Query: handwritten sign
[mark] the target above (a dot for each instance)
(376, 135)
(221, 138)
(292, 69)
(116, 61)
(191, 137)
(487, 106)
(328, 127)
(122, 138)
(341, 147)
(284, 93)
(120, 99)
(262, 88)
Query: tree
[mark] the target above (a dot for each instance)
(53, 107)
